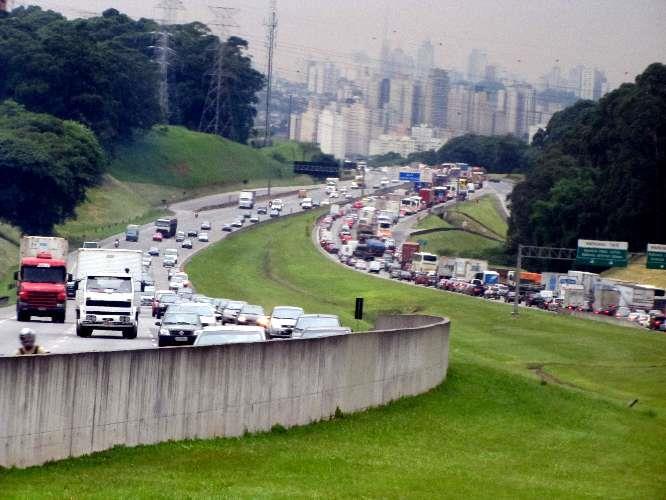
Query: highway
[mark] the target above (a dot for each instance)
(62, 338)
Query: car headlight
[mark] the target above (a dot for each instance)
(242, 318)
(164, 331)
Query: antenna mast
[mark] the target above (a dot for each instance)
(169, 11)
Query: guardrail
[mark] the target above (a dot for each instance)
(58, 406)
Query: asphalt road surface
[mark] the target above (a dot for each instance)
(62, 338)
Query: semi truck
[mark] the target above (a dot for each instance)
(108, 283)
(167, 226)
(246, 199)
(606, 297)
(409, 248)
(41, 278)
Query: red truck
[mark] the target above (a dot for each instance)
(426, 196)
(41, 278)
(409, 248)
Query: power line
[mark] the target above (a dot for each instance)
(169, 10)
(271, 33)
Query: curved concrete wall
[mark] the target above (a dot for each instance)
(53, 407)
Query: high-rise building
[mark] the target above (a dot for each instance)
(481, 114)
(331, 131)
(457, 110)
(400, 103)
(425, 60)
(476, 65)
(321, 77)
(357, 119)
(436, 98)
(520, 109)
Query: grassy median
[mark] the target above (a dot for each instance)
(533, 407)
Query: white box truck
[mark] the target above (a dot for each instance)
(573, 296)
(246, 199)
(108, 291)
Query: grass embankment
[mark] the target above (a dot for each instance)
(534, 406)
(480, 227)
(636, 272)
(170, 164)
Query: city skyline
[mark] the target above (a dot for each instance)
(526, 39)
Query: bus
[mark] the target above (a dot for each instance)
(423, 262)
(409, 206)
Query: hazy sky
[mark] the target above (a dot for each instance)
(525, 36)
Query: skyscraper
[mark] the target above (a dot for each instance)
(436, 97)
(425, 60)
(476, 65)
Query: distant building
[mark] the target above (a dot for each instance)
(436, 98)
(425, 60)
(331, 135)
(476, 65)
(403, 145)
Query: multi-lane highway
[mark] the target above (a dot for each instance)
(62, 338)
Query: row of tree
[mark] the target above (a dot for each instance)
(599, 171)
(100, 73)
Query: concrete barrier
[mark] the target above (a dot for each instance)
(58, 406)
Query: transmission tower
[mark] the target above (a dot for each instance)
(271, 33)
(168, 14)
(218, 97)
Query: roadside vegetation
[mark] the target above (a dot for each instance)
(636, 272)
(9, 250)
(533, 406)
(473, 229)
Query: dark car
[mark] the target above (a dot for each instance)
(227, 228)
(406, 275)
(192, 233)
(262, 210)
(161, 303)
(178, 328)
(421, 279)
(656, 321)
(252, 315)
(187, 244)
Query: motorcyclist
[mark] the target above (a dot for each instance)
(28, 343)
(116, 243)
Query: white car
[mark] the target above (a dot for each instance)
(306, 203)
(205, 225)
(236, 334)
(283, 319)
(171, 252)
(277, 204)
(203, 237)
(375, 266)
(334, 194)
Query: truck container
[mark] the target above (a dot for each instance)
(167, 226)
(635, 296)
(426, 196)
(605, 296)
(409, 248)
(108, 286)
(41, 278)
(465, 269)
(573, 296)
(588, 280)
(246, 199)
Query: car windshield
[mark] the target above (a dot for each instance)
(43, 274)
(235, 306)
(179, 318)
(250, 309)
(103, 283)
(229, 337)
(200, 309)
(168, 299)
(429, 258)
(317, 322)
(287, 313)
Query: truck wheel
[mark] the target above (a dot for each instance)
(130, 333)
(22, 316)
(83, 331)
(59, 318)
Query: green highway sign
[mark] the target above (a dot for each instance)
(602, 253)
(656, 256)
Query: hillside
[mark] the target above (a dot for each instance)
(9, 239)
(181, 158)
(170, 164)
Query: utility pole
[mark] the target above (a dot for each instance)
(291, 99)
(218, 97)
(169, 10)
(516, 276)
(271, 27)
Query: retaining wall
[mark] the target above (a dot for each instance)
(58, 406)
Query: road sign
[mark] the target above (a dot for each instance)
(656, 256)
(410, 176)
(602, 253)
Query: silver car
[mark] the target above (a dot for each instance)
(283, 319)
(314, 321)
(223, 335)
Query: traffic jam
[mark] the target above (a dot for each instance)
(362, 236)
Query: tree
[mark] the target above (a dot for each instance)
(600, 171)
(46, 165)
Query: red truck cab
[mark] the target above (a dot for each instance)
(426, 196)
(41, 288)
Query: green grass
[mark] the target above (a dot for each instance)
(534, 406)
(485, 210)
(459, 243)
(432, 222)
(9, 253)
(637, 272)
(181, 158)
